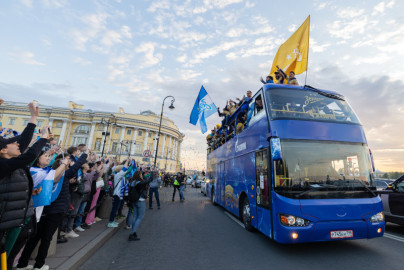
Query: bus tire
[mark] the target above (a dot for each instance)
(246, 215)
(213, 197)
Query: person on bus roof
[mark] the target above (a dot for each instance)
(269, 79)
(291, 79)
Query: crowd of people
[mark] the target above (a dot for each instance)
(236, 114)
(46, 189)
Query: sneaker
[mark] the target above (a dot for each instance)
(62, 233)
(127, 227)
(133, 237)
(97, 219)
(85, 226)
(62, 240)
(116, 223)
(79, 229)
(112, 225)
(44, 267)
(28, 267)
(71, 234)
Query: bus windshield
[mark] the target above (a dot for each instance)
(308, 105)
(318, 169)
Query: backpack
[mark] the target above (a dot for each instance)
(133, 194)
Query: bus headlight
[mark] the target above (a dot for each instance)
(289, 220)
(379, 217)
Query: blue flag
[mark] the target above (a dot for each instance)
(203, 108)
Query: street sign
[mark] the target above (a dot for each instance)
(146, 153)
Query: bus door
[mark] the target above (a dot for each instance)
(263, 187)
(219, 192)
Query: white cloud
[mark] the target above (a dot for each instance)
(27, 3)
(159, 5)
(182, 58)
(249, 4)
(216, 50)
(322, 6)
(110, 38)
(235, 32)
(381, 7)
(25, 57)
(149, 58)
(82, 61)
(95, 23)
(347, 30)
(188, 74)
(126, 31)
(212, 4)
(292, 28)
(54, 3)
(349, 13)
(316, 47)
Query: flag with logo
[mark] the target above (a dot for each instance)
(203, 108)
(293, 54)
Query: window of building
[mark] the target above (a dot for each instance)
(117, 130)
(138, 149)
(97, 145)
(11, 121)
(39, 123)
(128, 132)
(114, 147)
(140, 133)
(82, 129)
(150, 134)
(101, 127)
(26, 121)
(59, 124)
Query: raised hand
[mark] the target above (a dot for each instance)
(34, 111)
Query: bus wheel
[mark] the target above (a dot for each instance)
(246, 215)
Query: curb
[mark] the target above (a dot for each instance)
(88, 250)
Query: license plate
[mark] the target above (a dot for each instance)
(341, 234)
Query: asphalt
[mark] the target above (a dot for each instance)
(195, 234)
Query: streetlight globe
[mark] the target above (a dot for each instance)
(171, 107)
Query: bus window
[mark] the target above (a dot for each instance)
(258, 105)
(261, 177)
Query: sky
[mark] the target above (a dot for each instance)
(131, 54)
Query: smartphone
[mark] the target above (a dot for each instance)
(49, 130)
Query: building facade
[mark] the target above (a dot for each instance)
(115, 134)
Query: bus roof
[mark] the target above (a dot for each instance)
(328, 93)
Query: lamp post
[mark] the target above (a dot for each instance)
(106, 133)
(171, 107)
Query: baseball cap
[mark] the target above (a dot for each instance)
(4, 141)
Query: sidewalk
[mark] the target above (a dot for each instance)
(76, 251)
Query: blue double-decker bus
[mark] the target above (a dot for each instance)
(300, 171)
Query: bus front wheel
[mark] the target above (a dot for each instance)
(246, 215)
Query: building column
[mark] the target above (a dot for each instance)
(133, 145)
(169, 147)
(162, 148)
(90, 139)
(146, 135)
(155, 145)
(50, 123)
(173, 149)
(62, 133)
(179, 151)
(121, 139)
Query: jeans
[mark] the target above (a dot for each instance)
(47, 226)
(154, 190)
(139, 209)
(129, 217)
(115, 205)
(182, 194)
(79, 218)
(175, 188)
(76, 201)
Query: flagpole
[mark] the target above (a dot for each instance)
(308, 52)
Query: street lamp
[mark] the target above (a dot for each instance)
(171, 107)
(106, 133)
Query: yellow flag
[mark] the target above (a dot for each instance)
(293, 54)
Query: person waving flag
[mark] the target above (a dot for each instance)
(203, 108)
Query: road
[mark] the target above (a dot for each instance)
(198, 235)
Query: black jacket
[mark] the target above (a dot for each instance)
(16, 182)
(61, 204)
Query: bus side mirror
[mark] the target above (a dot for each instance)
(276, 151)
